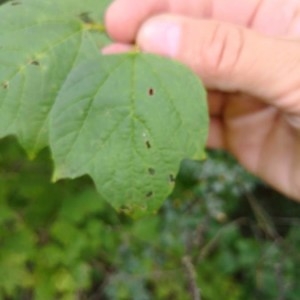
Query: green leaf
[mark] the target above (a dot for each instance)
(40, 42)
(127, 121)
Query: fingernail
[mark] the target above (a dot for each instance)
(160, 37)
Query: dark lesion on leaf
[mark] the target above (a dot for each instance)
(125, 209)
(171, 178)
(150, 91)
(5, 85)
(149, 194)
(148, 144)
(151, 171)
(34, 62)
(86, 18)
(91, 24)
(14, 3)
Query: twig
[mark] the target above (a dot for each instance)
(280, 281)
(192, 277)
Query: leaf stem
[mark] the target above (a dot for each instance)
(95, 27)
(135, 49)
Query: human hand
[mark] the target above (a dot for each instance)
(247, 53)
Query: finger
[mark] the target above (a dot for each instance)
(116, 48)
(272, 17)
(229, 58)
(216, 134)
(216, 102)
(124, 17)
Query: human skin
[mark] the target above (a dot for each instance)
(247, 54)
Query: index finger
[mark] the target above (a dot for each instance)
(273, 17)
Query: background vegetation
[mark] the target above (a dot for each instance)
(221, 231)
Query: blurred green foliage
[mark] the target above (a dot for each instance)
(221, 231)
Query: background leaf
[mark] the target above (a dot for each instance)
(40, 42)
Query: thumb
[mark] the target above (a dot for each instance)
(229, 58)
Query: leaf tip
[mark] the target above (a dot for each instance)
(136, 211)
(31, 152)
(31, 155)
(200, 156)
(54, 178)
(203, 156)
(57, 175)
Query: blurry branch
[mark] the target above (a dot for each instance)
(267, 225)
(191, 277)
(280, 281)
(213, 242)
(264, 221)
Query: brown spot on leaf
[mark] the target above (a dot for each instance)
(35, 63)
(5, 85)
(151, 92)
(148, 145)
(149, 194)
(14, 3)
(151, 171)
(172, 178)
(125, 209)
(86, 18)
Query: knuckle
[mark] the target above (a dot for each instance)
(292, 28)
(222, 51)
